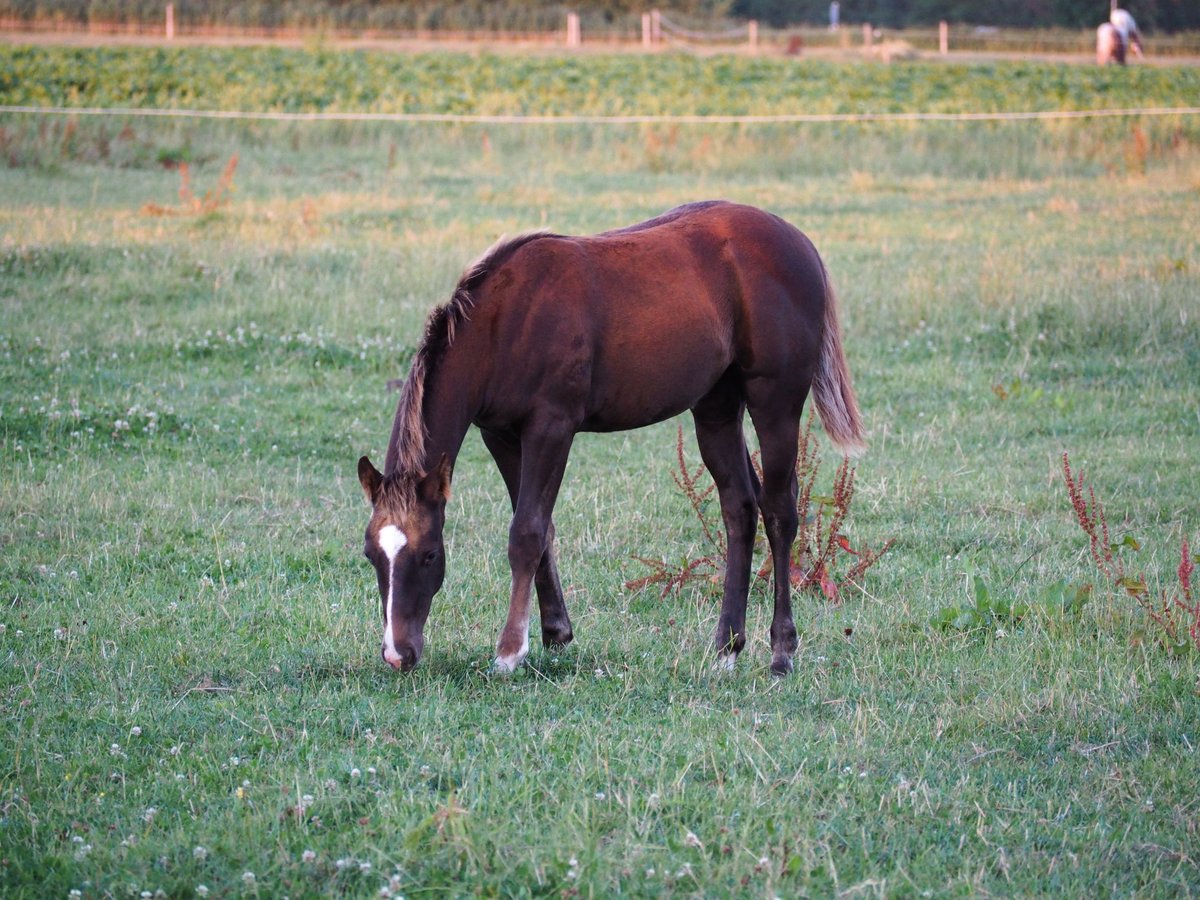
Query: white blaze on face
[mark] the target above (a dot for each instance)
(391, 541)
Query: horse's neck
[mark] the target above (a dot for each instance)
(447, 412)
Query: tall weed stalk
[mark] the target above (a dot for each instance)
(820, 542)
(1174, 612)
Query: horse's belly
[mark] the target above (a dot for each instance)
(653, 385)
(629, 417)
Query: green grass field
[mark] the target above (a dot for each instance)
(189, 662)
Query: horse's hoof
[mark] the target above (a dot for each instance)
(781, 664)
(556, 640)
(725, 662)
(506, 665)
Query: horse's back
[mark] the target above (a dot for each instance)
(749, 274)
(641, 322)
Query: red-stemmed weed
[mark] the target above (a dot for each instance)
(820, 542)
(1174, 612)
(820, 538)
(708, 567)
(192, 205)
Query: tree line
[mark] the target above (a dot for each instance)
(546, 15)
(1162, 15)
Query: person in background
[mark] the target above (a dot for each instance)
(1123, 22)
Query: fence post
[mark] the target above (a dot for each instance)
(943, 38)
(752, 33)
(170, 21)
(868, 37)
(655, 26)
(647, 37)
(574, 37)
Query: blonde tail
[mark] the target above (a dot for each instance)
(831, 388)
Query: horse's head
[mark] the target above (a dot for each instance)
(404, 543)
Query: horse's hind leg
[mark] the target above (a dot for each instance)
(778, 437)
(722, 446)
(556, 623)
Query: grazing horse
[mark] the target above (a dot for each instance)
(712, 307)
(1110, 45)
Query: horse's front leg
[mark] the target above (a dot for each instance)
(556, 623)
(544, 454)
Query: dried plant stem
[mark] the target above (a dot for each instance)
(818, 541)
(1175, 612)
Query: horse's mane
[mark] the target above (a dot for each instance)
(409, 433)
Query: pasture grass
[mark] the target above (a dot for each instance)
(191, 685)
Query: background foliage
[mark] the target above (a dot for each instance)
(548, 15)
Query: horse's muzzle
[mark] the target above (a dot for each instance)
(403, 659)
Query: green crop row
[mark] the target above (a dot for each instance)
(313, 80)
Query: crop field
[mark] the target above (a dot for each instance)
(198, 321)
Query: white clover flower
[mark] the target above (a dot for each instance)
(364, 866)
(149, 814)
(356, 773)
(308, 856)
(199, 853)
(692, 841)
(201, 890)
(248, 879)
(74, 894)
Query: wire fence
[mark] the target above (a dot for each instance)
(483, 119)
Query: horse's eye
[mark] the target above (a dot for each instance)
(430, 558)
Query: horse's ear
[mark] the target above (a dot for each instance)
(435, 486)
(370, 479)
